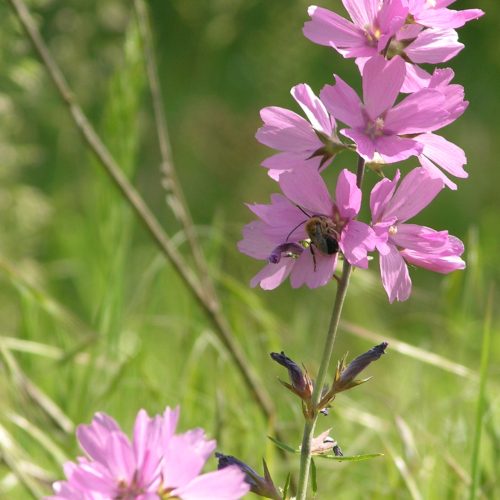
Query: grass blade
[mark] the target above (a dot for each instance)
(481, 399)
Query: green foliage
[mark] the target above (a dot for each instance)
(94, 319)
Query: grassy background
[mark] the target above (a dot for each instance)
(94, 319)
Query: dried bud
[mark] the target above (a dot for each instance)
(345, 377)
(262, 486)
(301, 383)
(323, 443)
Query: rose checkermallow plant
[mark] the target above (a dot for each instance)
(156, 464)
(304, 232)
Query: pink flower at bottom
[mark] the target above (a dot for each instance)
(157, 464)
(301, 234)
(399, 243)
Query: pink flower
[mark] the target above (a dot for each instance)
(420, 31)
(435, 13)
(301, 234)
(379, 128)
(374, 24)
(301, 141)
(156, 462)
(399, 243)
(436, 149)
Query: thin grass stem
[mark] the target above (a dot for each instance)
(147, 218)
(481, 399)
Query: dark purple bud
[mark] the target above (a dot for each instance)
(357, 365)
(337, 451)
(285, 249)
(262, 486)
(297, 378)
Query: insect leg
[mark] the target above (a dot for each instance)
(314, 256)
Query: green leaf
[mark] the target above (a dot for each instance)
(283, 446)
(287, 485)
(314, 482)
(353, 458)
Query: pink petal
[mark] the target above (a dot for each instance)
(419, 238)
(94, 478)
(148, 447)
(120, 459)
(446, 154)
(303, 272)
(365, 146)
(282, 162)
(182, 461)
(416, 79)
(328, 28)
(287, 131)
(356, 239)
(391, 18)
(343, 103)
(347, 195)
(434, 46)
(362, 12)
(415, 192)
(443, 261)
(225, 484)
(272, 275)
(380, 196)
(306, 188)
(436, 172)
(93, 437)
(420, 112)
(441, 77)
(393, 148)
(382, 81)
(280, 216)
(313, 108)
(447, 18)
(170, 419)
(256, 243)
(395, 277)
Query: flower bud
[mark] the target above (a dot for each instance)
(262, 486)
(301, 383)
(345, 376)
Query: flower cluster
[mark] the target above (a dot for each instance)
(155, 465)
(302, 233)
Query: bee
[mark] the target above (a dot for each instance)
(322, 233)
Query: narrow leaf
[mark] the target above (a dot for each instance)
(353, 458)
(314, 482)
(283, 446)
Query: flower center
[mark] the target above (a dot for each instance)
(372, 34)
(393, 230)
(375, 128)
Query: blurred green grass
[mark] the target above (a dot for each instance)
(108, 326)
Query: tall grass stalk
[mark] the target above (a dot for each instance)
(481, 399)
(145, 215)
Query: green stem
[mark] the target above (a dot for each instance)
(310, 424)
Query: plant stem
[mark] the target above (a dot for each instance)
(310, 424)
